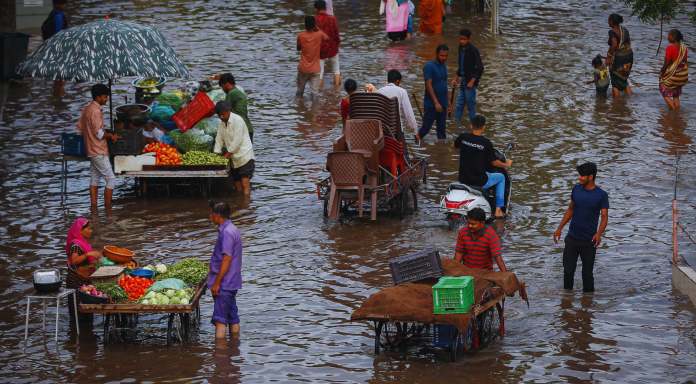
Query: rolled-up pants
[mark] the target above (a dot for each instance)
(312, 79)
(587, 251)
(101, 167)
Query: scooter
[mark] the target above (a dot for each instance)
(462, 198)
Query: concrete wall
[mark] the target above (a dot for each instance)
(684, 279)
(32, 17)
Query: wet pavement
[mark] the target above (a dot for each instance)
(304, 274)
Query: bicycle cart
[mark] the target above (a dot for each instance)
(121, 319)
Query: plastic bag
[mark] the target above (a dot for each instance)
(170, 99)
(162, 113)
(209, 126)
(217, 95)
(174, 134)
(166, 139)
(195, 142)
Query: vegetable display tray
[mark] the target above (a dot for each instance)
(181, 167)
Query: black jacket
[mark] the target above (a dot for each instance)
(472, 65)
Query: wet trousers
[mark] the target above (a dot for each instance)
(586, 250)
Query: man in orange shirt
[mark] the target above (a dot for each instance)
(309, 69)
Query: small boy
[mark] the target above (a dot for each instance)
(91, 126)
(350, 86)
(601, 78)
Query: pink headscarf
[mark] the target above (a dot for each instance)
(75, 236)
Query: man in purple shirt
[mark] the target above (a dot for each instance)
(225, 276)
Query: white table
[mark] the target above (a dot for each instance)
(57, 295)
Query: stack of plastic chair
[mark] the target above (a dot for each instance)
(392, 156)
(364, 105)
(362, 136)
(349, 172)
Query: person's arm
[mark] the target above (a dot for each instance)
(614, 46)
(455, 147)
(501, 263)
(458, 256)
(496, 252)
(566, 218)
(299, 46)
(479, 68)
(58, 22)
(500, 164)
(224, 267)
(238, 127)
(595, 79)
(324, 36)
(336, 33)
(597, 238)
(219, 140)
(431, 92)
(408, 111)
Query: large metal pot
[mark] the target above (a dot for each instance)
(136, 114)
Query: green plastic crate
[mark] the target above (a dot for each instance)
(453, 295)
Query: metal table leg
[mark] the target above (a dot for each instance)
(57, 309)
(44, 316)
(77, 321)
(26, 324)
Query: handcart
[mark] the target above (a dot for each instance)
(121, 319)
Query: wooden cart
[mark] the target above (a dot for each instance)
(391, 332)
(120, 319)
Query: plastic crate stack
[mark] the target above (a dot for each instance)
(416, 266)
(453, 295)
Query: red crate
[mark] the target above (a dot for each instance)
(199, 108)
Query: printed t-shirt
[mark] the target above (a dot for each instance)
(475, 156)
(438, 74)
(479, 253)
(586, 208)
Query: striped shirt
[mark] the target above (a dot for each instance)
(479, 253)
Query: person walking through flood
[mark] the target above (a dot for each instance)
(234, 135)
(435, 74)
(470, 71)
(397, 19)
(393, 89)
(225, 275)
(619, 58)
(477, 244)
(237, 100)
(587, 202)
(329, 49)
(309, 69)
(431, 13)
(674, 73)
(91, 126)
(600, 78)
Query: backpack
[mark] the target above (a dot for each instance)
(48, 28)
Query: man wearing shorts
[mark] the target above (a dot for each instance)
(233, 134)
(91, 126)
(225, 275)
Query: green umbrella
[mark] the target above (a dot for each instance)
(104, 50)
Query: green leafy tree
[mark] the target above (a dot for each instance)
(650, 11)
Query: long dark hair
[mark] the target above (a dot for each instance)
(677, 35)
(616, 18)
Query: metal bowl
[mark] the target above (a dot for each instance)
(47, 287)
(136, 118)
(159, 85)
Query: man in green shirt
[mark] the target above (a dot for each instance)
(237, 100)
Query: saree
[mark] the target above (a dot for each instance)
(676, 75)
(430, 12)
(621, 63)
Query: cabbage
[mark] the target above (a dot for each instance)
(158, 296)
(209, 126)
(161, 268)
(184, 301)
(181, 294)
(151, 295)
(164, 300)
(145, 302)
(217, 95)
(174, 300)
(150, 267)
(195, 140)
(170, 293)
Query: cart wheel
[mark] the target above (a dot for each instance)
(406, 201)
(469, 341)
(456, 341)
(326, 208)
(183, 320)
(391, 335)
(490, 324)
(108, 329)
(378, 331)
(452, 224)
(170, 330)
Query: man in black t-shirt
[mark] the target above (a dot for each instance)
(477, 158)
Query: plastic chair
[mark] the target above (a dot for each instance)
(363, 136)
(349, 172)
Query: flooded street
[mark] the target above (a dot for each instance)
(304, 275)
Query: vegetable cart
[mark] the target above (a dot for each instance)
(397, 195)
(122, 318)
(201, 176)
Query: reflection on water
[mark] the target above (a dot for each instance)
(303, 274)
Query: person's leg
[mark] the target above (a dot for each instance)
(428, 120)
(110, 180)
(587, 256)
(676, 101)
(95, 176)
(314, 84)
(233, 316)
(570, 262)
(220, 330)
(442, 124)
(471, 101)
(497, 179)
(322, 64)
(615, 91)
(628, 89)
(669, 102)
(461, 101)
(301, 82)
(336, 67)
(93, 194)
(246, 185)
(410, 27)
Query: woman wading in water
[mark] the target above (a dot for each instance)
(619, 57)
(674, 73)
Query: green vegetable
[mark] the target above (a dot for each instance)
(194, 141)
(145, 302)
(192, 271)
(184, 301)
(150, 295)
(148, 82)
(164, 300)
(115, 292)
(181, 294)
(170, 293)
(199, 157)
(174, 300)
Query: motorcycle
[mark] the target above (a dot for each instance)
(462, 198)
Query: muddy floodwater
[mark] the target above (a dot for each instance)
(304, 275)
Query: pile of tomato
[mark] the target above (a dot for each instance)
(135, 287)
(165, 153)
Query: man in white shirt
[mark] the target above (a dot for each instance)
(233, 133)
(393, 90)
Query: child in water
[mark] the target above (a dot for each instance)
(601, 78)
(350, 86)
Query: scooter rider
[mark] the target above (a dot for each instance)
(476, 159)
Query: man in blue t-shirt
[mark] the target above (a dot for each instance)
(435, 74)
(587, 202)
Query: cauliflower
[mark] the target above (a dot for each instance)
(161, 268)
